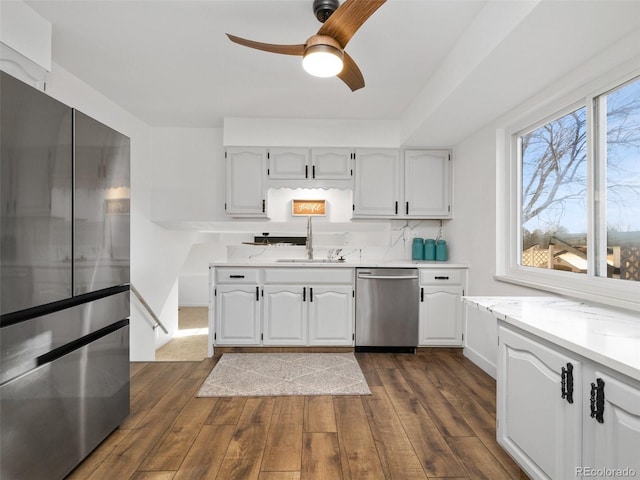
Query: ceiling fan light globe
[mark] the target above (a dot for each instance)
(322, 61)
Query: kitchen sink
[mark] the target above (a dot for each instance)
(309, 260)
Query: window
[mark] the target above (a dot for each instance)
(619, 131)
(571, 198)
(553, 213)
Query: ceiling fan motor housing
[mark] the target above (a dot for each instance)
(324, 8)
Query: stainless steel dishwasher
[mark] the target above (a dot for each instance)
(386, 309)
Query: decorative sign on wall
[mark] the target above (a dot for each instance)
(308, 207)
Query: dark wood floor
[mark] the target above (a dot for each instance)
(430, 415)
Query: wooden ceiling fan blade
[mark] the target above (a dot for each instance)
(348, 18)
(268, 47)
(351, 74)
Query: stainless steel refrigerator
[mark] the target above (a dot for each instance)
(64, 248)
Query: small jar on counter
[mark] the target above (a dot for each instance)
(417, 250)
(441, 251)
(430, 249)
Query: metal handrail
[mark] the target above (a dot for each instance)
(149, 309)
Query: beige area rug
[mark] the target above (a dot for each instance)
(269, 374)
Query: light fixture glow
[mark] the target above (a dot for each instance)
(322, 60)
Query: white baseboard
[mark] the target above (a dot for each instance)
(480, 361)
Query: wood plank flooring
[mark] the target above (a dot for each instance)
(430, 416)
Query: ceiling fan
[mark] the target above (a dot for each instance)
(323, 53)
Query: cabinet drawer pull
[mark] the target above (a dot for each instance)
(566, 383)
(597, 400)
(441, 278)
(236, 276)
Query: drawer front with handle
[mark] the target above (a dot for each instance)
(430, 276)
(237, 275)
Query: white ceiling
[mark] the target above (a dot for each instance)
(442, 68)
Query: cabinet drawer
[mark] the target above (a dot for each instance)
(308, 275)
(430, 276)
(237, 275)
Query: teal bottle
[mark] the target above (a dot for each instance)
(417, 250)
(430, 249)
(441, 251)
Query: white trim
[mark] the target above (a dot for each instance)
(615, 292)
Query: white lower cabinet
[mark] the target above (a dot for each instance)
(318, 315)
(237, 315)
(614, 429)
(539, 428)
(441, 312)
(285, 315)
(282, 306)
(562, 416)
(331, 315)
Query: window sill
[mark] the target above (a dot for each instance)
(623, 294)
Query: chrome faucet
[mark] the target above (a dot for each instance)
(309, 242)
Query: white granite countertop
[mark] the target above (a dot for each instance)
(607, 335)
(300, 263)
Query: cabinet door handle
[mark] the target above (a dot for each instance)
(441, 278)
(422, 294)
(406, 208)
(304, 294)
(313, 171)
(311, 294)
(306, 171)
(566, 383)
(597, 400)
(263, 206)
(257, 294)
(236, 276)
(396, 207)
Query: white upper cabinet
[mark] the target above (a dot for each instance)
(288, 163)
(246, 182)
(427, 183)
(331, 163)
(310, 164)
(377, 183)
(419, 186)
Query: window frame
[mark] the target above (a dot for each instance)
(611, 291)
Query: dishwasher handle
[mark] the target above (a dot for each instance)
(387, 277)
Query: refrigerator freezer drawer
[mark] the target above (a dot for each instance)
(55, 415)
(23, 343)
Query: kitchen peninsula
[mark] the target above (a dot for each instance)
(568, 385)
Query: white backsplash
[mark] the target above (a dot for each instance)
(383, 240)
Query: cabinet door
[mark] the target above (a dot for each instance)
(377, 186)
(441, 316)
(237, 315)
(617, 439)
(289, 163)
(331, 315)
(331, 163)
(285, 315)
(246, 185)
(427, 180)
(541, 430)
